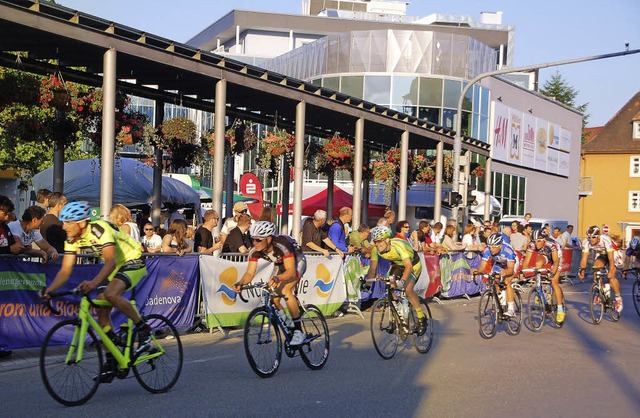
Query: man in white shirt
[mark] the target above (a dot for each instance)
(26, 232)
(230, 223)
(151, 242)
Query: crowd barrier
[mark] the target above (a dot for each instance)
(199, 284)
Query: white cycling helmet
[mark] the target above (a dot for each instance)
(262, 229)
(380, 232)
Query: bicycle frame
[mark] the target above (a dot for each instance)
(76, 348)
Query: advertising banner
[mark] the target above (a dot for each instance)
(323, 285)
(565, 140)
(500, 133)
(529, 141)
(515, 138)
(541, 145)
(168, 289)
(552, 160)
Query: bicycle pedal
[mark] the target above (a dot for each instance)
(106, 377)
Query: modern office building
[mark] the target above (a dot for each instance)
(374, 51)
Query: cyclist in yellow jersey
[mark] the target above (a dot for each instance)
(122, 270)
(405, 264)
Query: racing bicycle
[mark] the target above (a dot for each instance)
(636, 286)
(542, 302)
(263, 334)
(493, 305)
(600, 298)
(71, 358)
(394, 319)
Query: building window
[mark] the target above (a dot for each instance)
(510, 190)
(634, 201)
(636, 129)
(634, 166)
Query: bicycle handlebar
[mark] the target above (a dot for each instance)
(52, 295)
(261, 285)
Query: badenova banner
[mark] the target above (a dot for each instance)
(322, 285)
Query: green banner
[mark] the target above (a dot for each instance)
(12, 280)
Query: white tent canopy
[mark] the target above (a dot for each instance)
(132, 183)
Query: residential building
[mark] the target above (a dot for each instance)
(610, 163)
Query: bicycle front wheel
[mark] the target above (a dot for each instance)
(315, 350)
(514, 323)
(158, 368)
(488, 314)
(536, 309)
(70, 379)
(422, 342)
(636, 295)
(596, 304)
(384, 330)
(262, 343)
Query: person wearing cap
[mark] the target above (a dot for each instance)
(230, 223)
(604, 249)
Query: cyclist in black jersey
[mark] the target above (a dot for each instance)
(290, 264)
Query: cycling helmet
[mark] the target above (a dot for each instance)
(494, 240)
(593, 231)
(380, 232)
(262, 229)
(538, 234)
(635, 243)
(75, 211)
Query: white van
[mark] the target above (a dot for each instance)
(536, 223)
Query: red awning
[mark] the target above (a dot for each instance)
(340, 199)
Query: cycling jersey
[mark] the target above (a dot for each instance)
(550, 246)
(603, 247)
(500, 260)
(283, 247)
(101, 234)
(400, 249)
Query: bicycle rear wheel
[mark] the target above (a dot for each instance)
(315, 350)
(262, 343)
(514, 323)
(384, 330)
(596, 304)
(536, 309)
(423, 342)
(158, 368)
(68, 380)
(636, 295)
(488, 314)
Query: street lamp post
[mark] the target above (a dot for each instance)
(457, 144)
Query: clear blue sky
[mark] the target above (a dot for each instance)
(546, 31)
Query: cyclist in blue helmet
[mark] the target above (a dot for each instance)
(122, 269)
(633, 253)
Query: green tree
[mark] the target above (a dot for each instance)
(558, 89)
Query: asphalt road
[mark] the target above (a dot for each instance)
(580, 370)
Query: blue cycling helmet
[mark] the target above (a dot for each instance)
(635, 243)
(75, 211)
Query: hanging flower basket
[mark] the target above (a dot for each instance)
(177, 131)
(477, 170)
(383, 171)
(337, 154)
(55, 93)
(278, 142)
(239, 139)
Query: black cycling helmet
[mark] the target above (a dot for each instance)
(75, 211)
(593, 231)
(538, 234)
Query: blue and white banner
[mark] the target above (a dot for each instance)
(322, 285)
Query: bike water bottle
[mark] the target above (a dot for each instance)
(503, 297)
(607, 289)
(405, 307)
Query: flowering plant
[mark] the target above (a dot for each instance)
(56, 93)
(384, 171)
(477, 170)
(239, 138)
(337, 154)
(176, 130)
(278, 142)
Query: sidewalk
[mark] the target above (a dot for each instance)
(21, 359)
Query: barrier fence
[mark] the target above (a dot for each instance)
(198, 284)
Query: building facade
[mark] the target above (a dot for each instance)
(419, 66)
(611, 164)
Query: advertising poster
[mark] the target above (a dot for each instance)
(552, 160)
(563, 164)
(565, 140)
(542, 129)
(528, 141)
(500, 141)
(515, 138)
(554, 136)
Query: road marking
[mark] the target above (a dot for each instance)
(204, 360)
